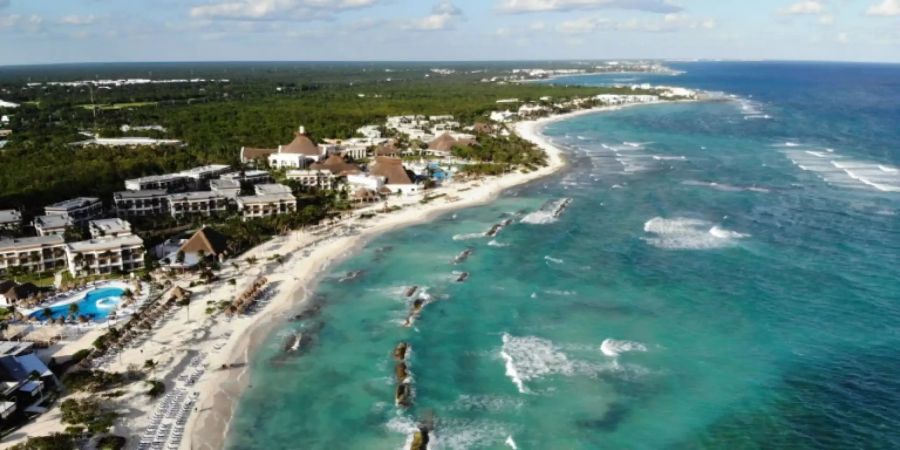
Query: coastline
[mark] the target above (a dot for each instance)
(221, 389)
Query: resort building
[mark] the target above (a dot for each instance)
(443, 145)
(337, 166)
(397, 179)
(80, 210)
(248, 176)
(11, 293)
(271, 188)
(300, 153)
(319, 179)
(10, 220)
(33, 254)
(198, 177)
(227, 187)
(253, 155)
(503, 116)
(172, 182)
(141, 203)
(109, 228)
(267, 205)
(52, 225)
(104, 256)
(370, 132)
(24, 381)
(365, 181)
(203, 203)
(206, 242)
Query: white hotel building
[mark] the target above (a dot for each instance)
(103, 256)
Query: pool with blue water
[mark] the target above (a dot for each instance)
(95, 304)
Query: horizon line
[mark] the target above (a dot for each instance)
(447, 61)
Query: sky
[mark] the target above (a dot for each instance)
(64, 31)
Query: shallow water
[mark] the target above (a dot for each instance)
(712, 284)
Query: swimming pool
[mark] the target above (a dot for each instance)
(96, 304)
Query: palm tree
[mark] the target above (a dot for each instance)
(73, 309)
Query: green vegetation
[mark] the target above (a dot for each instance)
(157, 388)
(87, 413)
(261, 106)
(89, 380)
(56, 441)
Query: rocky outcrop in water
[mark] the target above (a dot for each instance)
(403, 394)
(414, 311)
(420, 439)
(463, 256)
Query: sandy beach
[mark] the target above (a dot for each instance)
(221, 389)
(204, 359)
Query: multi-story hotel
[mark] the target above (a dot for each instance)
(80, 210)
(141, 203)
(103, 256)
(202, 203)
(267, 204)
(33, 254)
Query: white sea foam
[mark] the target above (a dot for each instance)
(841, 171)
(549, 213)
(467, 236)
(669, 158)
(553, 260)
(613, 347)
(683, 233)
(494, 243)
(460, 434)
(560, 293)
(724, 187)
(492, 403)
(511, 443)
(529, 358)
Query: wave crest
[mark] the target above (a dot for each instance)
(683, 233)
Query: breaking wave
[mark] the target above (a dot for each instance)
(613, 347)
(549, 213)
(841, 171)
(688, 234)
(529, 358)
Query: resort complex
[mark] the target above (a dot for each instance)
(193, 255)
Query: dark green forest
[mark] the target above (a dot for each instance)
(260, 105)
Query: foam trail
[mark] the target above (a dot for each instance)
(553, 260)
(688, 234)
(613, 347)
(467, 236)
(511, 443)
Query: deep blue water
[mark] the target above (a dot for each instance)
(727, 275)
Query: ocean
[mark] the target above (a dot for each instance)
(722, 274)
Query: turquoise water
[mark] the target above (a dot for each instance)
(726, 276)
(96, 305)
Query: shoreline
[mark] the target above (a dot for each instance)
(221, 389)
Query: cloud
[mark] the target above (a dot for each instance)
(808, 7)
(31, 24)
(531, 6)
(669, 23)
(78, 20)
(826, 19)
(443, 16)
(842, 38)
(885, 8)
(276, 9)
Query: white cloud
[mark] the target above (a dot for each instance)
(885, 8)
(669, 23)
(442, 17)
(528, 6)
(30, 23)
(584, 25)
(826, 19)
(808, 7)
(842, 38)
(275, 9)
(78, 20)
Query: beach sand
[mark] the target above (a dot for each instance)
(225, 344)
(221, 389)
